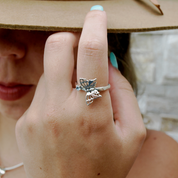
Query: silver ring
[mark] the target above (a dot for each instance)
(89, 86)
(2, 171)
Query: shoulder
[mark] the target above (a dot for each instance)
(157, 158)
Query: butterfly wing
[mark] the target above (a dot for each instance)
(88, 84)
(83, 82)
(92, 83)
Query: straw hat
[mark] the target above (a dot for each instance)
(123, 15)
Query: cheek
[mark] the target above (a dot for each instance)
(34, 66)
(38, 51)
(37, 68)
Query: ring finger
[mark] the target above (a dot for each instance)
(59, 63)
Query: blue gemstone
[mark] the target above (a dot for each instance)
(78, 87)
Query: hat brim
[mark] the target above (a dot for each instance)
(123, 15)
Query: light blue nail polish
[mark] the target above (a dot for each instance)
(97, 7)
(113, 60)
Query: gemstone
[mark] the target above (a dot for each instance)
(78, 87)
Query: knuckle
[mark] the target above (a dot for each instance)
(141, 134)
(49, 117)
(31, 127)
(93, 47)
(90, 125)
(32, 122)
(27, 125)
(51, 123)
(58, 40)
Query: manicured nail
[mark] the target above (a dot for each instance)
(97, 7)
(113, 60)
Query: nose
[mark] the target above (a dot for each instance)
(11, 48)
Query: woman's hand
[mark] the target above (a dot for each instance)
(59, 135)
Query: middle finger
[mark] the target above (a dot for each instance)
(92, 52)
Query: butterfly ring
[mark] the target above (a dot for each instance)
(89, 86)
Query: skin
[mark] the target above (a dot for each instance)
(157, 158)
(22, 56)
(17, 49)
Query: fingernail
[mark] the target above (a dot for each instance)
(97, 7)
(113, 60)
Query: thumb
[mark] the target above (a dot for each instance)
(124, 103)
